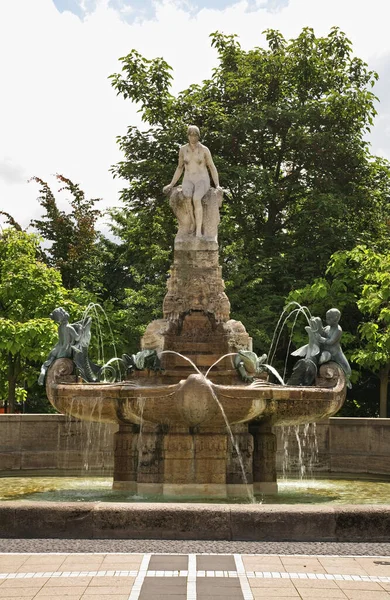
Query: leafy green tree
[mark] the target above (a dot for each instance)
(286, 126)
(358, 283)
(29, 291)
(73, 235)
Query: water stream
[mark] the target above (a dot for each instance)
(300, 450)
(285, 316)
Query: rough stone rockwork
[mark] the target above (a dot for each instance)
(195, 282)
(196, 311)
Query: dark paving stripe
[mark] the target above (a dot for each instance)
(215, 563)
(164, 588)
(194, 546)
(218, 587)
(167, 562)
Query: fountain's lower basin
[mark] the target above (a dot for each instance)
(195, 438)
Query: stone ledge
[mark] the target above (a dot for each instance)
(346, 523)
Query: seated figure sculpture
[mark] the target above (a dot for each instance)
(67, 337)
(323, 346)
(196, 161)
(330, 342)
(73, 342)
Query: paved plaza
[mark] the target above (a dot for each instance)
(190, 575)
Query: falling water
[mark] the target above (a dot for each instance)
(279, 326)
(92, 307)
(219, 360)
(301, 464)
(89, 426)
(270, 368)
(300, 450)
(311, 433)
(108, 366)
(141, 405)
(235, 446)
(182, 356)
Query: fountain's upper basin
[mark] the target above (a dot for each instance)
(195, 401)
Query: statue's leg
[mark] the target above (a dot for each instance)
(201, 188)
(188, 189)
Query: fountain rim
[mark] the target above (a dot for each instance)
(276, 391)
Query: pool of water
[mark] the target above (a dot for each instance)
(98, 489)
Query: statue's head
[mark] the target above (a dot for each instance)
(333, 316)
(59, 314)
(193, 133)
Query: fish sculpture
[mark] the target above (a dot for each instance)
(305, 370)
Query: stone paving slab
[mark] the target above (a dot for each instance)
(85, 576)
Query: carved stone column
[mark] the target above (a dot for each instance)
(195, 282)
(195, 464)
(264, 458)
(126, 458)
(150, 461)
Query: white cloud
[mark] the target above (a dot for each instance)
(10, 172)
(59, 112)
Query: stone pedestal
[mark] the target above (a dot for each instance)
(195, 282)
(264, 459)
(195, 333)
(126, 457)
(195, 465)
(183, 464)
(239, 466)
(150, 472)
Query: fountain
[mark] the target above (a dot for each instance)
(182, 433)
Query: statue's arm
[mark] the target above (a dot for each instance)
(177, 173)
(70, 335)
(212, 167)
(333, 336)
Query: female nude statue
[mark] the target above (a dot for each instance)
(195, 159)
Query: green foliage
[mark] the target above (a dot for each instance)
(73, 235)
(29, 291)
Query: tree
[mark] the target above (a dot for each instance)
(73, 235)
(358, 282)
(29, 291)
(10, 220)
(286, 128)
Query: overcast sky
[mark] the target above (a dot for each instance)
(59, 113)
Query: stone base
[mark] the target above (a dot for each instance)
(265, 487)
(128, 486)
(149, 489)
(240, 490)
(184, 490)
(195, 490)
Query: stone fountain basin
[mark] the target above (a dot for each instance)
(195, 401)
